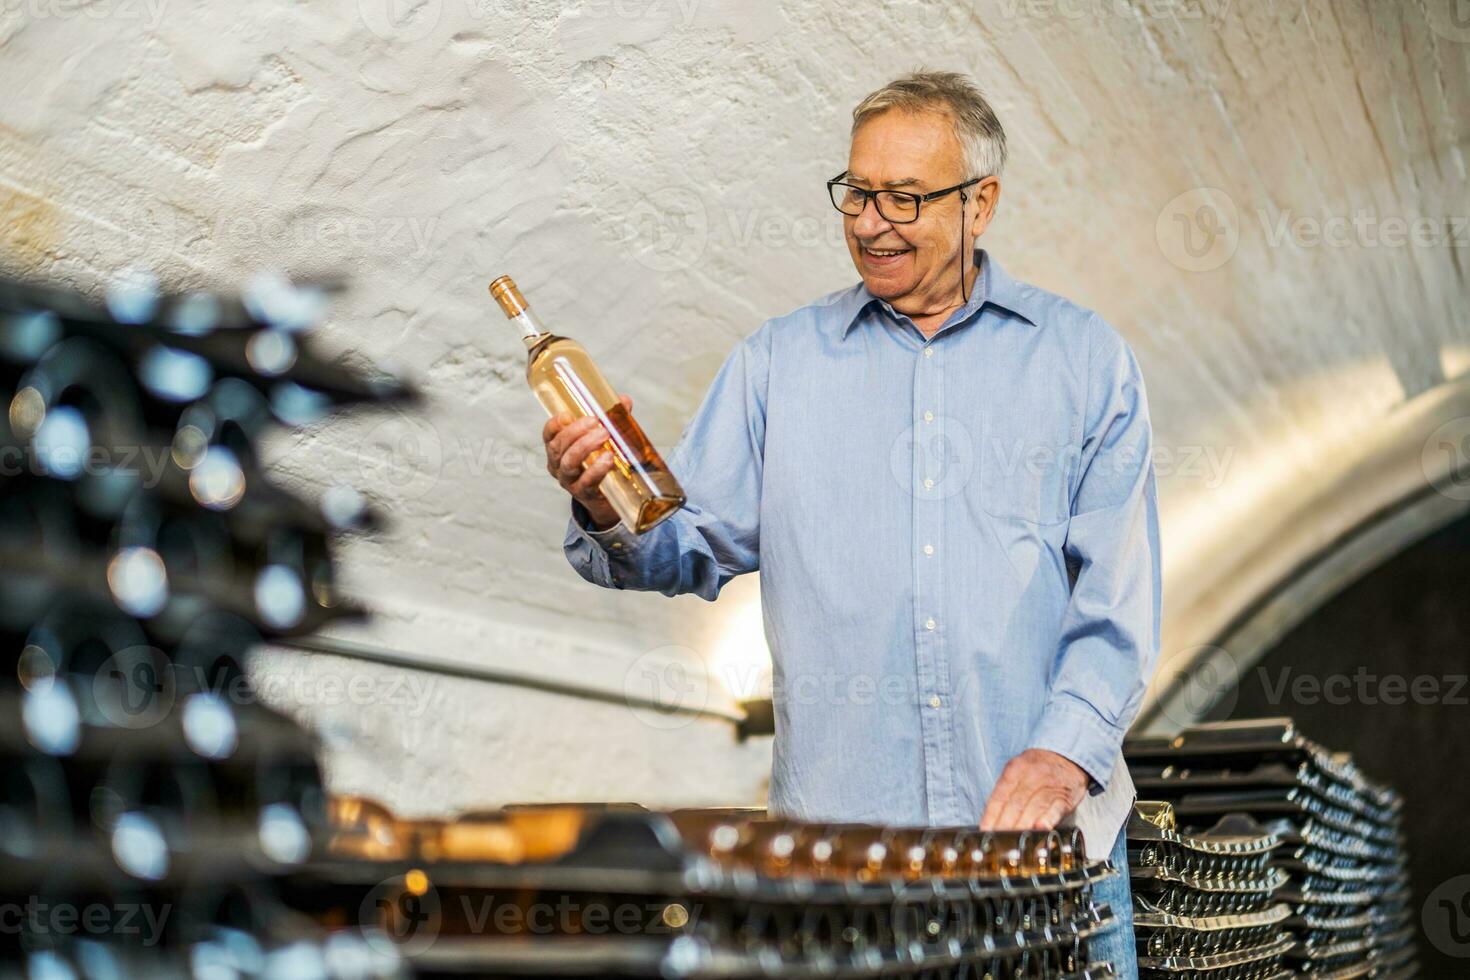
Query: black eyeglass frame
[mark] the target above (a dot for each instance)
(918, 199)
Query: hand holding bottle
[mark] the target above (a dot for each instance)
(569, 443)
(628, 481)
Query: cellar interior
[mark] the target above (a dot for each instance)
(433, 715)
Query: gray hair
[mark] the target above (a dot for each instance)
(982, 140)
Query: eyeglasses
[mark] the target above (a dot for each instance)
(895, 207)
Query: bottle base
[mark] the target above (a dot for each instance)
(655, 511)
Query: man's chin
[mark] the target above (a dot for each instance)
(887, 288)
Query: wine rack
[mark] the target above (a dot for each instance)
(1267, 856)
(153, 807)
(564, 890)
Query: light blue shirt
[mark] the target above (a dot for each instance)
(958, 545)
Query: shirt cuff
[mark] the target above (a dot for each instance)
(613, 539)
(1073, 729)
(611, 553)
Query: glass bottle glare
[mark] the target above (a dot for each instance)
(564, 379)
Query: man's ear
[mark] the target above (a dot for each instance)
(983, 203)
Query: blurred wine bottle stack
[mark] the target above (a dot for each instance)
(1264, 855)
(152, 805)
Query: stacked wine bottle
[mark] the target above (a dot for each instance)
(1205, 903)
(152, 805)
(576, 890)
(1324, 858)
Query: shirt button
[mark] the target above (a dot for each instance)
(928, 416)
(928, 351)
(934, 702)
(928, 549)
(929, 623)
(928, 484)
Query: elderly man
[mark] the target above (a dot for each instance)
(944, 476)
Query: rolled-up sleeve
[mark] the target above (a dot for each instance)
(718, 460)
(1110, 633)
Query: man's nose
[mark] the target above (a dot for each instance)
(870, 224)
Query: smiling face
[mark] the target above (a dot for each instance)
(915, 266)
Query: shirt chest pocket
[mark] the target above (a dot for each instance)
(1024, 463)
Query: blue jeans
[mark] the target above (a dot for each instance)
(1116, 945)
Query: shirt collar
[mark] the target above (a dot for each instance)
(992, 286)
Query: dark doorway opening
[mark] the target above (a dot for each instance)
(1381, 671)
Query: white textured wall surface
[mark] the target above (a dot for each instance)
(1268, 199)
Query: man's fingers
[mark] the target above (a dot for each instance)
(1009, 817)
(992, 809)
(554, 425)
(561, 430)
(1052, 815)
(558, 433)
(571, 459)
(592, 476)
(563, 420)
(573, 431)
(1015, 804)
(989, 820)
(1037, 806)
(567, 435)
(1000, 798)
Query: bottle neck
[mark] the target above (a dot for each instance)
(531, 328)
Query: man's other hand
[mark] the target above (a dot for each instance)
(1035, 791)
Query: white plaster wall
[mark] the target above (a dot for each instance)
(650, 170)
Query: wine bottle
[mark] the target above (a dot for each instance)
(564, 379)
